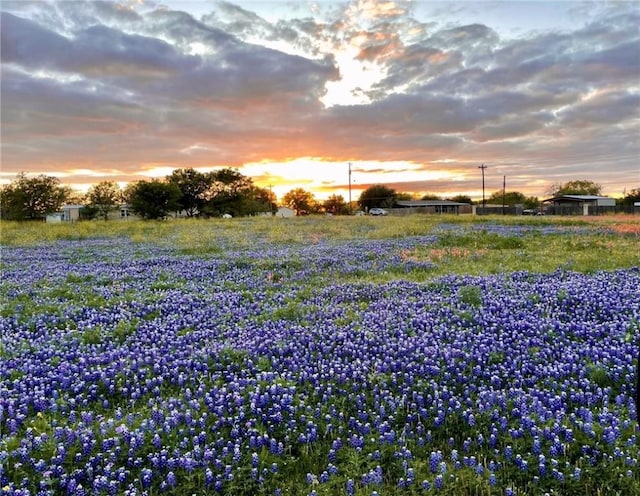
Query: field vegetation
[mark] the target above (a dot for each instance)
(320, 356)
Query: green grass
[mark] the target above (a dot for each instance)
(203, 237)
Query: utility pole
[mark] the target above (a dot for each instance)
(349, 188)
(484, 202)
(270, 201)
(504, 185)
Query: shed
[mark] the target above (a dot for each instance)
(580, 204)
(285, 212)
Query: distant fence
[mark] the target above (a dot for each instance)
(516, 210)
(498, 210)
(446, 209)
(591, 210)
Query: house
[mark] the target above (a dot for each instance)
(122, 212)
(579, 205)
(68, 213)
(405, 207)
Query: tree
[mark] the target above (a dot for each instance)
(632, 197)
(531, 202)
(510, 198)
(404, 196)
(32, 198)
(430, 196)
(377, 195)
(255, 200)
(301, 201)
(266, 199)
(578, 187)
(335, 205)
(194, 187)
(227, 192)
(104, 197)
(461, 199)
(153, 199)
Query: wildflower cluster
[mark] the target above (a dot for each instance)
(133, 369)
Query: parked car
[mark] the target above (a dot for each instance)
(378, 211)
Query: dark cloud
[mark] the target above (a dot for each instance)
(23, 42)
(603, 109)
(95, 52)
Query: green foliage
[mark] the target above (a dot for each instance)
(461, 199)
(577, 187)
(104, 197)
(77, 279)
(263, 364)
(631, 197)
(232, 193)
(633, 332)
(184, 331)
(193, 186)
(153, 199)
(300, 200)
(481, 240)
(509, 197)
(335, 205)
(430, 196)
(124, 329)
(496, 357)
(229, 355)
(32, 198)
(470, 295)
(377, 195)
(91, 336)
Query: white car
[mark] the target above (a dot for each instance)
(378, 211)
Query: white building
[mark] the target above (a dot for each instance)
(68, 213)
(285, 212)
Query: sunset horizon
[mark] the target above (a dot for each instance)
(414, 95)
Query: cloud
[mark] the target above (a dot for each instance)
(123, 88)
(95, 52)
(602, 108)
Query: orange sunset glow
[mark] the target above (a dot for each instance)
(414, 95)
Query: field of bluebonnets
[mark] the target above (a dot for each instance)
(339, 356)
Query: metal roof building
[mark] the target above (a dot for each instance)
(580, 204)
(431, 207)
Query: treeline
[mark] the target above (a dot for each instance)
(226, 192)
(190, 192)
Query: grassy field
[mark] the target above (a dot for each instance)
(596, 243)
(355, 356)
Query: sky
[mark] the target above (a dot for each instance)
(415, 95)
